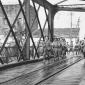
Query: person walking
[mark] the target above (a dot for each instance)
(83, 50)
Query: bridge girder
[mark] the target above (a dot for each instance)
(44, 3)
(77, 9)
(57, 8)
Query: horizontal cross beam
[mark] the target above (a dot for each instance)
(76, 9)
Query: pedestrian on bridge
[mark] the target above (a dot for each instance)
(83, 50)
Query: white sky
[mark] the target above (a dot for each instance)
(62, 19)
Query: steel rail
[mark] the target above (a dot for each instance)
(55, 73)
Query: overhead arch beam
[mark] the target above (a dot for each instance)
(47, 5)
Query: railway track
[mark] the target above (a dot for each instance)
(60, 66)
(60, 69)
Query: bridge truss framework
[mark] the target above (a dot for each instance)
(52, 10)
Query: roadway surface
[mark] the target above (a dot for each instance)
(74, 75)
(32, 73)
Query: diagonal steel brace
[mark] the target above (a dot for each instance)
(4, 12)
(28, 27)
(38, 21)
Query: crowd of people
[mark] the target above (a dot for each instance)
(59, 48)
(56, 49)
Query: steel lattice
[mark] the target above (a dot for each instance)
(21, 49)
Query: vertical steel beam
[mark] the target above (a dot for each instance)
(27, 14)
(51, 23)
(28, 28)
(50, 18)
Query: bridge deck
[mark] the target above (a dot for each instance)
(23, 75)
(19, 70)
(75, 75)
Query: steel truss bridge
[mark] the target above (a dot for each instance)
(52, 10)
(22, 53)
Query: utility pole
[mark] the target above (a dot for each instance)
(71, 28)
(71, 18)
(78, 23)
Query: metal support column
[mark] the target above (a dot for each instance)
(27, 12)
(29, 30)
(51, 23)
